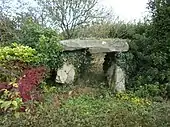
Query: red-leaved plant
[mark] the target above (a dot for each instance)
(28, 83)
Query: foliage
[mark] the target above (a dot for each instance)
(14, 58)
(155, 92)
(18, 52)
(7, 28)
(108, 29)
(50, 52)
(31, 33)
(148, 58)
(46, 43)
(10, 98)
(14, 94)
(29, 82)
(133, 99)
(161, 40)
(97, 30)
(5, 85)
(80, 59)
(93, 110)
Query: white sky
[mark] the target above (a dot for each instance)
(127, 10)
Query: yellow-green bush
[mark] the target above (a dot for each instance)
(14, 58)
(17, 52)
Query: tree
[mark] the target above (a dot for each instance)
(160, 33)
(69, 14)
(7, 25)
(149, 61)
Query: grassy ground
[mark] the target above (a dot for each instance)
(90, 107)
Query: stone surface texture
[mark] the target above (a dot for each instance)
(96, 46)
(119, 80)
(66, 74)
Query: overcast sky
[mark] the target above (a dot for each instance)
(128, 10)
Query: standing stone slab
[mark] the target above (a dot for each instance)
(66, 74)
(116, 78)
(119, 80)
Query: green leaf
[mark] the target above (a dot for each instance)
(17, 114)
(14, 103)
(6, 105)
(1, 101)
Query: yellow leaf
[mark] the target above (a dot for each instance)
(14, 103)
(15, 85)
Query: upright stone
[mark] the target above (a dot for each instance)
(114, 74)
(119, 80)
(66, 74)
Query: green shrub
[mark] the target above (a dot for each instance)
(148, 59)
(7, 29)
(10, 99)
(17, 52)
(97, 30)
(50, 52)
(14, 58)
(93, 111)
(31, 33)
(46, 43)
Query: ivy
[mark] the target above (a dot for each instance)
(81, 59)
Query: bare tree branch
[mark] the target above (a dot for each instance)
(69, 14)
